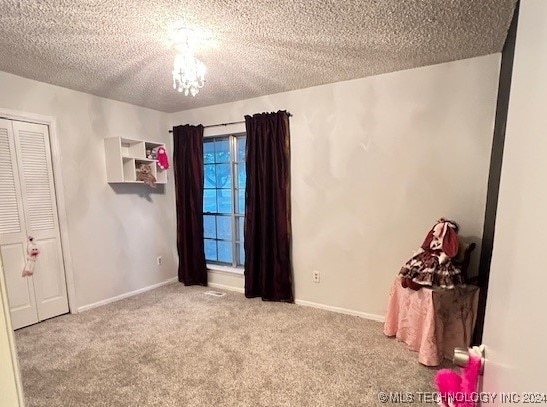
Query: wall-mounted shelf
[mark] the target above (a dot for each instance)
(123, 156)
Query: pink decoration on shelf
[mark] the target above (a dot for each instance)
(460, 390)
(161, 156)
(32, 254)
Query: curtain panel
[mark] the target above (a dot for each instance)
(267, 231)
(188, 169)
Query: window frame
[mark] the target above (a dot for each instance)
(217, 265)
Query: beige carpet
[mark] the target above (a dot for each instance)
(176, 346)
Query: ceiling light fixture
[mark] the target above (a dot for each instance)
(188, 71)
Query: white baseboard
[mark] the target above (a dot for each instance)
(226, 287)
(126, 295)
(373, 317)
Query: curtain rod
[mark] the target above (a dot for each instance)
(225, 124)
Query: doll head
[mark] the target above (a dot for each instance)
(443, 236)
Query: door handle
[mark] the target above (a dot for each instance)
(461, 356)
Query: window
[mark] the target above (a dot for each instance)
(224, 199)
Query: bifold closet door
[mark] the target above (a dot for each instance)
(13, 234)
(31, 195)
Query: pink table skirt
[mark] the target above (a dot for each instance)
(432, 322)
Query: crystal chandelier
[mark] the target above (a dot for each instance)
(188, 71)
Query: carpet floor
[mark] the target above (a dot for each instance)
(177, 346)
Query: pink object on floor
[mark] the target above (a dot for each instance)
(432, 322)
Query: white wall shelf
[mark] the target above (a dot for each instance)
(123, 156)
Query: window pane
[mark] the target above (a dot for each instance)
(209, 226)
(210, 250)
(224, 199)
(224, 176)
(241, 142)
(209, 152)
(241, 251)
(241, 201)
(209, 176)
(224, 230)
(210, 200)
(225, 252)
(222, 151)
(241, 175)
(240, 220)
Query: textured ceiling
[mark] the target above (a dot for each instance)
(121, 49)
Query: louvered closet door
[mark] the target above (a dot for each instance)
(13, 235)
(40, 211)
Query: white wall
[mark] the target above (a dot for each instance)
(375, 162)
(515, 331)
(115, 232)
(10, 382)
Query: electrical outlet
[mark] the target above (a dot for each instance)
(316, 276)
(159, 260)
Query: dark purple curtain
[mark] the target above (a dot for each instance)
(268, 270)
(188, 168)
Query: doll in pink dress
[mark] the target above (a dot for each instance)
(431, 265)
(32, 254)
